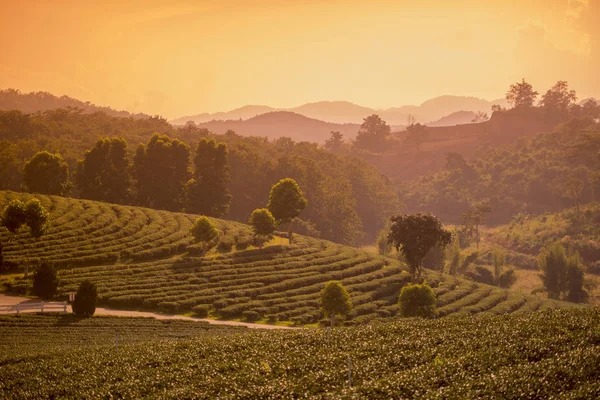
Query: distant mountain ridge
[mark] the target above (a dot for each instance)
(27, 103)
(345, 112)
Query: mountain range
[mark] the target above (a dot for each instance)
(342, 112)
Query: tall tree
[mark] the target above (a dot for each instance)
(160, 171)
(521, 94)
(562, 274)
(45, 281)
(46, 173)
(558, 100)
(104, 172)
(285, 203)
(18, 213)
(414, 235)
(473, 218)
(335, 142)
(207, 191)
(373, 134)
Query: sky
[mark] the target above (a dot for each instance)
(178, 57)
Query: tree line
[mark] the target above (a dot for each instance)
(221, 175)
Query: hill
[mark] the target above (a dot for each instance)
(456, 118)
(11, 99)
(344, 112)
(278, 124)
(143, 258)
(552, 354)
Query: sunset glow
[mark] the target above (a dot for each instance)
(178, 57)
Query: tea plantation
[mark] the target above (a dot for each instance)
(146, 259)
(551, 354)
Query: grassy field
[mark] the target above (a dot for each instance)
(145, 259)
(553, 354)
(30, 334)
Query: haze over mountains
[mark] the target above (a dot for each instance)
(345, 112)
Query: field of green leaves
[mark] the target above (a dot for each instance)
(145, 259)
(30, 334)
(553, 354)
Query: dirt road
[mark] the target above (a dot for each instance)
(14, 300)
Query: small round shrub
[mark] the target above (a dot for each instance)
(250, 315)
(271, 319)
(201, 310)
(169, 306)
(45, 282)
(85, 299)
(225, 246)
(203, 230)
(417, 301)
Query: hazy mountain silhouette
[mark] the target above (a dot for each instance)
(456, 118)
(277, 124)
(346, 112)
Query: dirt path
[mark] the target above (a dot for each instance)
(14, 300)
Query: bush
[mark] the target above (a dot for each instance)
(417, 301)
(201, 310)
(250, 315)
(507, 278)
(225, 246)
(85, 299)
(45, 282)
(169, 306)
(203, 230)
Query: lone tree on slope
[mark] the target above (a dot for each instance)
(414, 235)
(263, 225)
(18, 213)
(335, 300)
(285, 203)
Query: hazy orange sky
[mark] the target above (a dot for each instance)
(180, 57)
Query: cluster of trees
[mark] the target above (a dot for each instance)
(562, 274)
(548, 172)
(348, 199)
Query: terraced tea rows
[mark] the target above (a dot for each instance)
(109, 244)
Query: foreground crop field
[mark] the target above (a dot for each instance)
(145, 259)
(40, 334)
(553, 354)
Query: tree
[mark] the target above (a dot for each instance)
(569, 186)
(590, 109)
(45, 281)
(473, 218)
(85, 299)
(203, 230)
(46, 173)
(207, 191)
(416, 135)
(502, 278)
(480, 116)
(335, 142)
(104, 172)
(285, 202)
(372, 134)
(575, 278)
(263, 225)
(562, 274)
(417, 301)
(559, 99)
(160, 171)
(521, 94)
(18, 213)
(335, 301)
(414, 235)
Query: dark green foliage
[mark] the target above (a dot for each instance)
(46, 173)
(204, 230)
(335, 300)
(45, 281)
(31, 213)
(372, 134)
(286, 201)
(85, 299)
(201, 310)
(160, 171)
(507, 278)
(562, 274)
(207, 191)
(104, 172)
(417, 301)
(415, 235)
(263, 224)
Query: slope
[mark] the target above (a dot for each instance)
(145, 259)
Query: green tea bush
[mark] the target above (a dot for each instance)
(417, 301)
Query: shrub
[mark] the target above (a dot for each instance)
(85, 299)
(169, 306)
(417, 301)
(225, 246)
(45, 282)
(250, 315)
(201, 310)
(507, 278)
(203, 230)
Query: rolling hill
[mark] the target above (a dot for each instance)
(343, 112)
(145, 259)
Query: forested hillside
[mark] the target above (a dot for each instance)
(349, 201)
